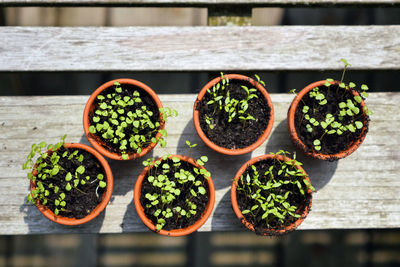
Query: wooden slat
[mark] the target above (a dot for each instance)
(360, 191)
(198, 48)
(199, 3)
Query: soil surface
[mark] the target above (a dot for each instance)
(294, 199)
(79, 202)
(235, 134)
(176, 221)
(330, 143)
(127, 90)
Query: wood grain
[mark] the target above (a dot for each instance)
(191, 3)
(360, 191)
(198, 48)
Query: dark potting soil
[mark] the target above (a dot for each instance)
(294, 199)
(330, 143)
(78, 204)
(176, 222)
(234, 134)
(147, 100)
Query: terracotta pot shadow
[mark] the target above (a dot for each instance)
(216, 162)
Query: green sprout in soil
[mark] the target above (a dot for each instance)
(333, 124)
(53, 181)
(221, 101)
(127, 122)
(170, 182)
(273, 191)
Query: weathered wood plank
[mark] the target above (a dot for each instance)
(198, 48)
(360, 191)
(196, 3)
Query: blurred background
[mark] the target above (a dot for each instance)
(368, 247)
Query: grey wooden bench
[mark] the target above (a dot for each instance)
(361, 191)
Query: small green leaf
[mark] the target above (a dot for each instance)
(202, 190)
(136, 124)
(365, 94)
(68, 177)
(358, 98)
(68, 187)
(193, 192)
(323, 102)
(359, 124)
(204, 158)
(102, 184)
(80, 169)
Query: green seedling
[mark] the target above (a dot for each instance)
(121, 118)
(221, 101)
(48, 174)
(272, 192)
(333, 123)
(170, 200)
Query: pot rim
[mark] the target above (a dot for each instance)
(95, 142)
(235, 205)
(99, 208)
(297, 141)
(175, 232)
(228, 151)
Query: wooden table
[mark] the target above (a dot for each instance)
(361, 191)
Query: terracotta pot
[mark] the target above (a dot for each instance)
(106, 196)
(228, 151)
(238, 212)
(300, 145)
(176, 232)
(95, 141)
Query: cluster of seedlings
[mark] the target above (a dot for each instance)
(174, 193)
(234, 111)
(125, 121)
(273, 193)
(65, 179)
(222, 101)
(333, 110)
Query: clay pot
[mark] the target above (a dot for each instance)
(176, 232)
(223, 150)
(95, 141)
(310, 152)
(106, 196)
(238, 212)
